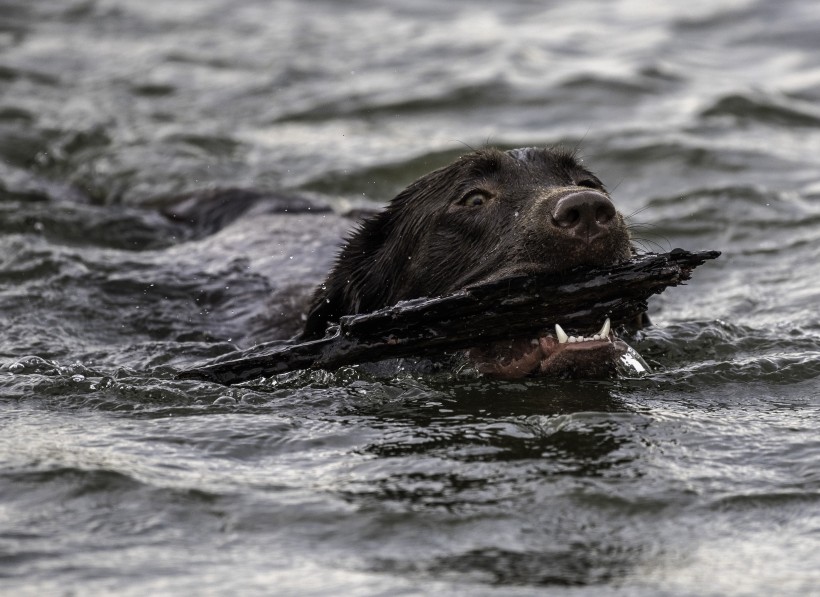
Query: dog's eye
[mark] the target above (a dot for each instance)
(474, 199)
(588, 183)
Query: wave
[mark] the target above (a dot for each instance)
(764, 109)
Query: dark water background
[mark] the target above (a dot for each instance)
(701, 479)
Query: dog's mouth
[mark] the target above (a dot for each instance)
(556, 354)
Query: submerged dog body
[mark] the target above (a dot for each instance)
(489, 215)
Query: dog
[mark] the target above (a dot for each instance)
(488, 215)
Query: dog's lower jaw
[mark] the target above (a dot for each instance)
(548, 356)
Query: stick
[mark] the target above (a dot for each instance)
(519, 306)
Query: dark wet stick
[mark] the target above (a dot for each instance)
(512, 307)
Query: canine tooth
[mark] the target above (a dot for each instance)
(604, 333)
(561, 334)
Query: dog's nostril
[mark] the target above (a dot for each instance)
(605, 212)
(583, 212)
(569, 218)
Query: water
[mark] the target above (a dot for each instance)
(702, 478)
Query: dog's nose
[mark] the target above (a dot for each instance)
(585, 214)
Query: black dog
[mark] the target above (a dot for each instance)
(489, 215)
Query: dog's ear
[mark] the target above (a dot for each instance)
(372, 268)
(323, 309)
(353, 285)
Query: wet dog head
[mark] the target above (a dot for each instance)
(488, 215)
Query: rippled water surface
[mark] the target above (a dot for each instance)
(702, 478)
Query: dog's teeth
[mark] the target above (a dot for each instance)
(604, 333)
(563, 338)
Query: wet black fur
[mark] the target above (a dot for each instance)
(431, 240)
